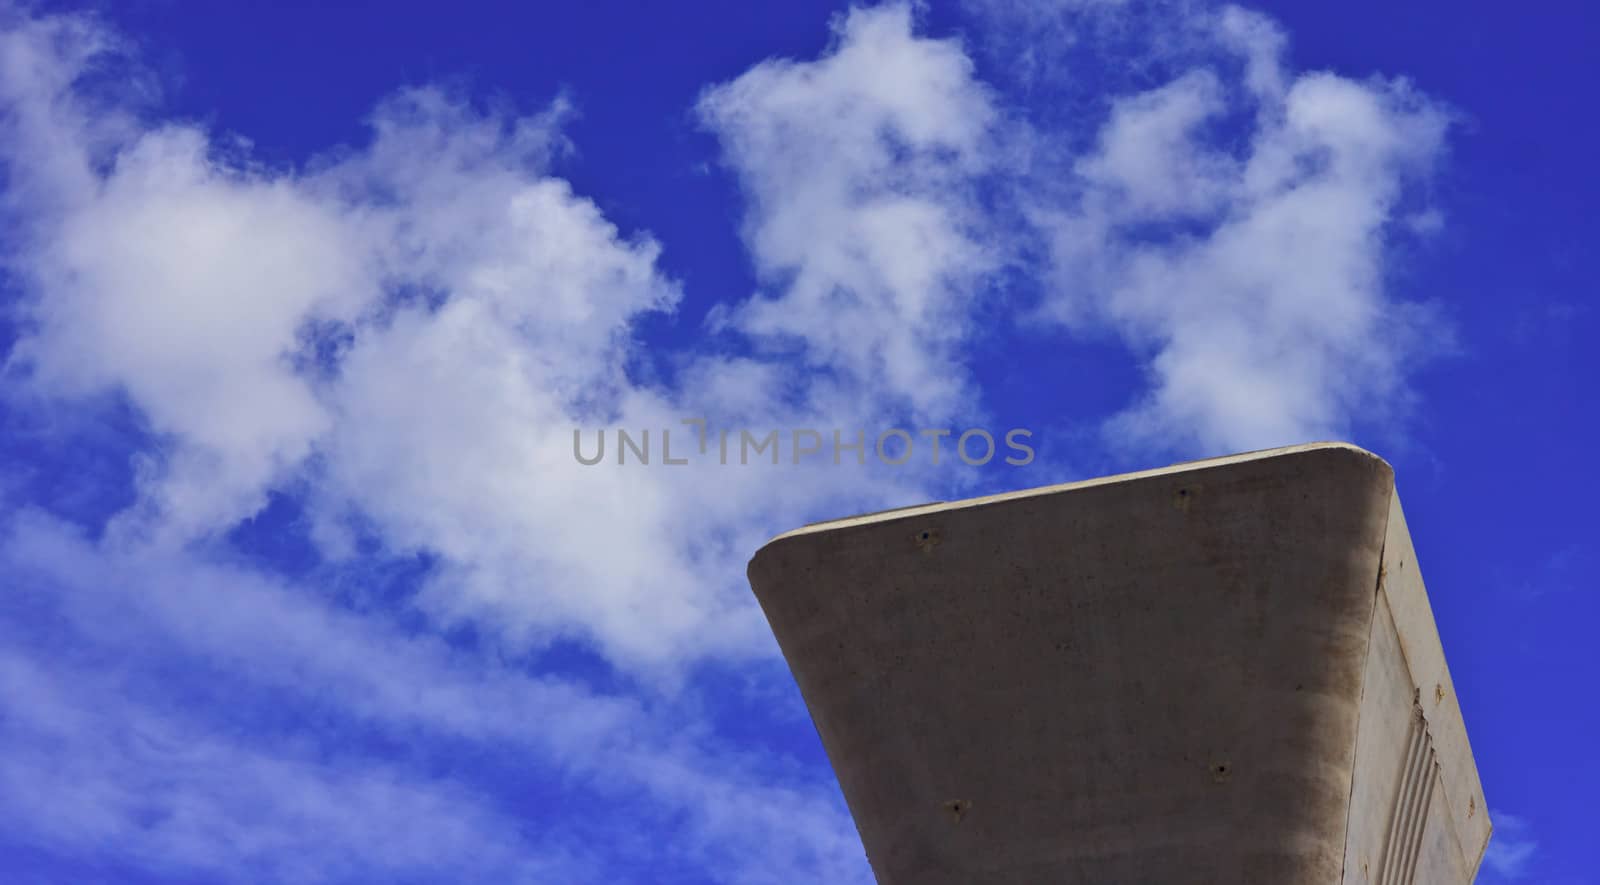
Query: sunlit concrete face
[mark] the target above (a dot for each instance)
(1224, 671)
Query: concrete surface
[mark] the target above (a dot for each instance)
(1223, 671)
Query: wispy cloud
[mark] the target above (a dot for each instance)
(111, 778)
(232, 724)
(1512, 848)
(1554, 573)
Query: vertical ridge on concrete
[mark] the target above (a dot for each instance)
(1419, 828)
(1397, 812)
(1412, 798)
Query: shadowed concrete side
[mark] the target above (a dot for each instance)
(1416, 807)
(1151, 678)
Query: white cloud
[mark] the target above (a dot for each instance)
(1512, 848)
(416, 326)
(166, 275)
(860, 169)
(412, 330)
(1148, 165)
(403, 337)
(1252, 278)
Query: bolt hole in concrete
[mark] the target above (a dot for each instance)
(1183, 498)
(1219, 772)
(956, 807)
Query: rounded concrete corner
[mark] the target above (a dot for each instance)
(1352, 450)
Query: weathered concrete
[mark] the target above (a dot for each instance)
(1223, 671)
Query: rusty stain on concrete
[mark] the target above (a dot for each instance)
(957, 808)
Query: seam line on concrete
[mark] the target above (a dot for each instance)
(1361, 697)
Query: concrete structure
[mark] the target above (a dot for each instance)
(1222, 671)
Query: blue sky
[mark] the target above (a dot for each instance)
(299, 580)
